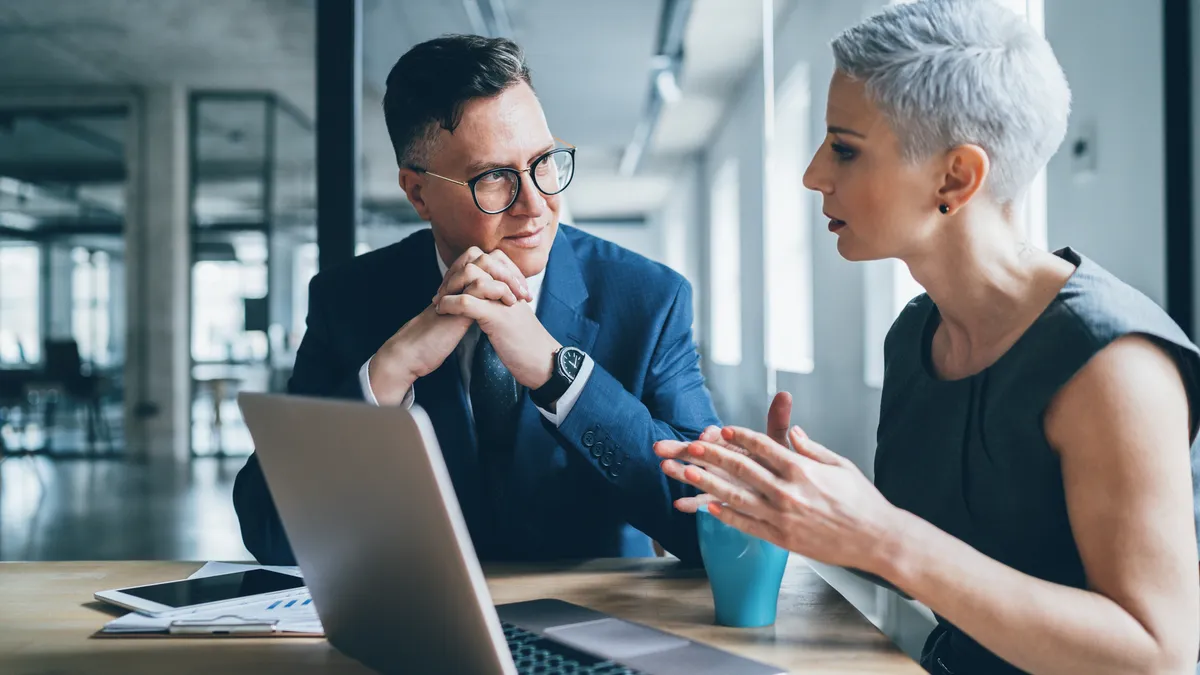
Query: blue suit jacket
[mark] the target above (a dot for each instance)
(574, 491)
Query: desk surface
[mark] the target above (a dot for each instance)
(47, 614)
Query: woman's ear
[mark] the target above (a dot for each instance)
(965, 170)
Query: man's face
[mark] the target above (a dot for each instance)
(508, 130)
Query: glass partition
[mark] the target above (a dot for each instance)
(62, 280)
(252, 211)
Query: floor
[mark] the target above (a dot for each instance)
(113, 509)
(28, 432)
(26, 429)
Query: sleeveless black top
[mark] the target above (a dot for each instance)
(971, 456)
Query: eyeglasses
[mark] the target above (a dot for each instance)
(496, 190)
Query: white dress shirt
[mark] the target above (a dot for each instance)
(466, 354)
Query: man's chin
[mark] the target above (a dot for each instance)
(530, 256)
(531, 262)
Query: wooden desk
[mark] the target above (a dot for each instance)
(47, 615)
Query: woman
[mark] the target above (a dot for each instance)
(1032, 473)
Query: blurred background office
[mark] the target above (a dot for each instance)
(173, 173)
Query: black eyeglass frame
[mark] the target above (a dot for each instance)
(470, 184)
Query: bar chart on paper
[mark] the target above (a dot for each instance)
(290, 615)
(295, 614)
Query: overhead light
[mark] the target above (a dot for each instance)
(475, 17)
(488, 17)
(503, 27)
(17, 220)
(666, 85)
(632, 155)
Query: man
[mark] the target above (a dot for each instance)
(548, 360)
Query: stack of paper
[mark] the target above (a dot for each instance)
(293, 615)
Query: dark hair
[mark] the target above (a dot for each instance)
(431, 83)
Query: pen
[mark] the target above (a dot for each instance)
(209, 627)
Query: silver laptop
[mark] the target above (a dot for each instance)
(368, 506)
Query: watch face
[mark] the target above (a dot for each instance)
(571, 362)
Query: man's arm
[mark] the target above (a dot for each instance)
(316, 373)
(615, 432)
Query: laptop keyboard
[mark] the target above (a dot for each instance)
(536, 655)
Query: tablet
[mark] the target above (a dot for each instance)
(189, 595)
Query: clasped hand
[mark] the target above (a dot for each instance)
(489, 289)
(479, 288)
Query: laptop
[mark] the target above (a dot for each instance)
(369, 509)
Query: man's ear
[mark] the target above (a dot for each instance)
(413, 185)
(965, 171)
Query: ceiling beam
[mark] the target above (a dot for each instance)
(664, 72)
(64, 171)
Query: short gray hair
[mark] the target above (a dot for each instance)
(951, 72)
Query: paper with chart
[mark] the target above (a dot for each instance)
(292, 615)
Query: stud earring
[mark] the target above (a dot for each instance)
(944, 208)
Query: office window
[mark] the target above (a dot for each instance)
(220, 288)
(899, 286)
(20, 295)
(90, 305)
(725, 321)
(788, 232)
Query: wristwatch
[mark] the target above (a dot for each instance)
(567, 363)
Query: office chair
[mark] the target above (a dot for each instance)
(62, 366)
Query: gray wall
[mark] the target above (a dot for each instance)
(678, 224)
(832, 403)
(1112, 55)
(740, 392)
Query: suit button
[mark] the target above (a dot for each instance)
(589, 438)
(597, 450)
(607, 460)
(617, 463)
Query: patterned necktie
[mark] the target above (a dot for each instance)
(495, 401)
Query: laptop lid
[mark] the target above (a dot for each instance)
(369, 509)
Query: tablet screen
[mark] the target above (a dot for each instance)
(216, 588)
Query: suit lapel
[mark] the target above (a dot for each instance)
(564, 292)
(560, 310)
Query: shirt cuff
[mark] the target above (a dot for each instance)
(571, 395)
(364, 380)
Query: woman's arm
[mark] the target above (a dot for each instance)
(1121, 430)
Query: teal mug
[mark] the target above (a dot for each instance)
(744, 571)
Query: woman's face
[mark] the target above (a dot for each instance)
(879, 205)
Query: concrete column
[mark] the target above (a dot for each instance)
(59, 292)
(281, 274)
(158, 271)
(116, 307)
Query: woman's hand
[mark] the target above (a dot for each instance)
(778, 418)
(811, 501)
